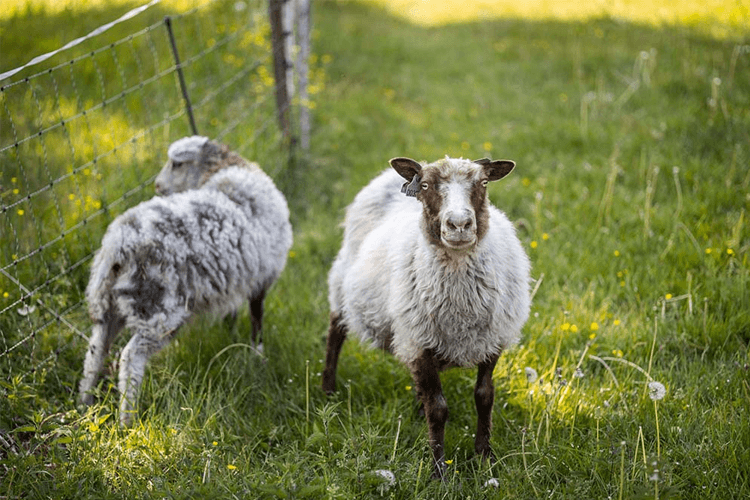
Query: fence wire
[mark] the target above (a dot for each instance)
(82, 140)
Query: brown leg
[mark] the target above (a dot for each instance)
(484, 396)
(426, 373)
(336, 337)
(256, 317)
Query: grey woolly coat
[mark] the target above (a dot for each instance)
(206, 249)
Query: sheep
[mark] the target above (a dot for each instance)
(438, 278)
(219, 235)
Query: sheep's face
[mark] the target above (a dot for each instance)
(186, 165)
(453, 193)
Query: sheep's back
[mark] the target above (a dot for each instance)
(169, 256)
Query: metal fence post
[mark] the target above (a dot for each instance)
(188, 106)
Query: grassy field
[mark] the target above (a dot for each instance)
(632, 144)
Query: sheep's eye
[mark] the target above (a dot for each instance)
(425, 185)
(484, 183)
(177, 164)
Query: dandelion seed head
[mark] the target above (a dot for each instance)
(656, 390)
(578, 373)
(492, 483)
(387, 475)
(531, 375)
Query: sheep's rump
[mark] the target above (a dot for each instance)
(190, 252)
(394, 289)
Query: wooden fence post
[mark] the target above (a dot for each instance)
(280, 68)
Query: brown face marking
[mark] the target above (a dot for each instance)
(432, 200)
(437, 174)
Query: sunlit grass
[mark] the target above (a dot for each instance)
(720, 16)
(16, 7)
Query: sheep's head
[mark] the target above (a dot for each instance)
(453, 193)
(190, 159)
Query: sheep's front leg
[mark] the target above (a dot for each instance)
(133, 361)
(484, 397)
(336, 337)
(103, 334)
(426, 373)
(256, 319)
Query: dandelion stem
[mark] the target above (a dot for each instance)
(525, 465)
(307, 394)
(395, 443)
(622, 469)
(658, 441)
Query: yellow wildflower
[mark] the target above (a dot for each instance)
(534, 244)
(594, 326)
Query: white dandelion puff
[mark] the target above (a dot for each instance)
(492, 482)
(656, 390)
(387, 475)
(531, 375)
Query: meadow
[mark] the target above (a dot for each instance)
(631, 195)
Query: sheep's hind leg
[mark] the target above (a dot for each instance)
(133, 361)
(484, 397)
(336, 337)
(103, 334)
(426, 373)
(256, 319)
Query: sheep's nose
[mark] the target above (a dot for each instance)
(158, 187)
(459, 221)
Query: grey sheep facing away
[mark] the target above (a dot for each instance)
(437, 277)
(220, 235)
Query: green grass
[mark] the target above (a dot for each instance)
(630, 196)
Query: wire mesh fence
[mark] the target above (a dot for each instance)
(82, 140)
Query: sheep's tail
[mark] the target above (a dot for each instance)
(104, 272)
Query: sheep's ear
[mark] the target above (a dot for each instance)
(483, 161)
(411, 171)
(497, 169)
(210, 149)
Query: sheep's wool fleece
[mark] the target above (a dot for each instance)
(206, 249)
(395, 289)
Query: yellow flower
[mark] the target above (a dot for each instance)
(730, 251)
(487, 146)
(71, 197)
(326, 59)
(20, 211)
(408, 387)
(15, 191)
(708, 251)
(668, 296)
(215, 443)
(526, 182)
(622, 283)
(616, 253)
(592, 336)
(545, 236)
(594, 326)
(565, 327)
(292, 254)
(448, 462)
(616, 322)
(231, 467)
(573, 328)
(13, 180)
(534, 244)
(617, 352)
